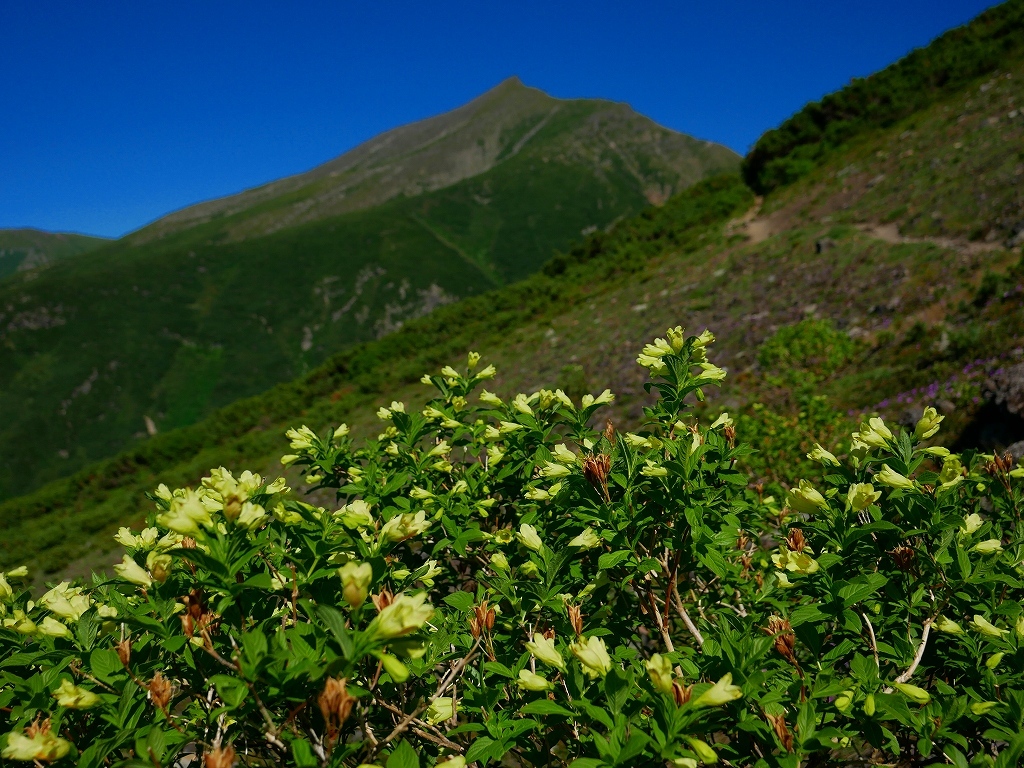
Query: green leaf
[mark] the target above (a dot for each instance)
(302, 751)
(477, 749)
(461, 601)
(611, 559)
(404, 756)
(545, 707)
(232, 690)
(105, 663)
(587, 762)
(804, 614)
(335, 622)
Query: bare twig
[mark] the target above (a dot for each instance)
(919, 655)
(681, 610)
(871, 635)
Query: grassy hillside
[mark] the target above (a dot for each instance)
(22, 249)
(994, 39)
(157, 330)
(887, 278)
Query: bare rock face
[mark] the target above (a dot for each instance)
(1016, 450)
(1008, 389)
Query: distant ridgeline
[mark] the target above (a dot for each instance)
(992, 40)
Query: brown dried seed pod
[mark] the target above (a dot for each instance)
(383, 599)
(124, 651)
(795, 540)
(220, 757)
(160, 691)
(784, 638)
(778, 722)
(903, 557)
(575, 619)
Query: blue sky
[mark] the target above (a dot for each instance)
(115, 113)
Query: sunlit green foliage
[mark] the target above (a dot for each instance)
(495, 580)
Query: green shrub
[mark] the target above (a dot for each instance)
(500, 582)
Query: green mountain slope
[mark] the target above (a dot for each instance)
(229, 298)
(22, 249)
(888, 277)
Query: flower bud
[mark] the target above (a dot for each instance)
(530, 681)
(993, 661)
(912, 692)
(869, 705)
(942, 624)
(659, 669)
(544, 651)
(355, 582)
(983, 707)
(707, 755)
(592, 655)
(720, 693)
(53, 628)
(981, 625)
(822, 456)
(844, 701)
(398, 671)
(890, 477)
(928, 425)
(499, 562)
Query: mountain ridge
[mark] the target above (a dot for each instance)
(410, 159)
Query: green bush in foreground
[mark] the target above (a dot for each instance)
(503, 582)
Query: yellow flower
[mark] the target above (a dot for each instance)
(440, 709)
(71, 696)
(551, 469)
(874, 433)
(186, 514)
(509, 426)
(659, 669)
(983, 707)
(950, 627)
(159, 565)
(531, 681)
(805, 498)
(586, 540)
(355, 582)
(44, 746)
(355, 514)
(722, 421)
(720, 693)
(53, 628)
(405, 526)
(971, 524)
(984, 627)
(892, 478)
(592, 655)
(603, 399)
(862, 495)
(654, 364)
(522, 404)
(564, 399)
(544, 651)
(952, 472)
(822, 456)
(487, 373)
(489, 398)
(711, 371)
(797, 562)
(66, 601)
(132, 572)
(528, 537)
(405, 615)
(928, 425)
(651, 469)
(301, 439)
(472, 360)
(341, 431)
(989, 547)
